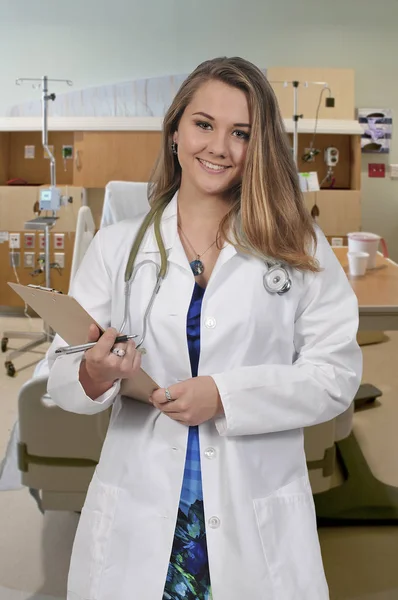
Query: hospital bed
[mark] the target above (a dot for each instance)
(58, 451)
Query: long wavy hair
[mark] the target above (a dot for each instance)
(268, 217)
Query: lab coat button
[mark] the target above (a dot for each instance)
(214, 522)
(210, 453)
(210, 322)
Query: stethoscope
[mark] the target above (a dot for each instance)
(276, 280)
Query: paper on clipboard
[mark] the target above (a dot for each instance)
(71, 321)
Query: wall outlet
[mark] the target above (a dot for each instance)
(59, 241)
(14, 241)
(29, 240)
(394, 171)
(59, 258)
(29, 260)
(15, 259)
(337, 241)
(331, 156)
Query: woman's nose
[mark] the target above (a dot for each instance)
(218, 145)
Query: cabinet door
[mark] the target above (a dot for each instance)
(103, 156)
(339, 210)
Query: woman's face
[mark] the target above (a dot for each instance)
(212, 138)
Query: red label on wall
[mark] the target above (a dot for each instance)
(376, 170)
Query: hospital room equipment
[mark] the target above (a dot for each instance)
(330, 102)
(50, 200)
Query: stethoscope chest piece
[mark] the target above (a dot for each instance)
(276, 280)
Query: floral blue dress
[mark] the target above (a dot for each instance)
(188, 576)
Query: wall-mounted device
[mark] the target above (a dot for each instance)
(331, 156)
(50, 199)
(14, 240)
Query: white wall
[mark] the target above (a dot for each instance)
(103, 41)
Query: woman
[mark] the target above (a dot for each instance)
(204, 492)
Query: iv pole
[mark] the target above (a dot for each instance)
(45, 223)
(296, 116)
(40, 223)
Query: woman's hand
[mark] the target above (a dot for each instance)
(195, 401)
(101, 367)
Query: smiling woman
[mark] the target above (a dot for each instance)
(203, 491)
(224, 113)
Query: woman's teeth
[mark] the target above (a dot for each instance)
(211, 166)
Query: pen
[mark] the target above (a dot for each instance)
(83, 347)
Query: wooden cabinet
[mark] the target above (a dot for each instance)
(35, 171)
(339, 210)
(103, 156)
(347, 172)
(99, 157)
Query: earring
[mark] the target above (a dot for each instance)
(174, 148)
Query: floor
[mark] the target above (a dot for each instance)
(360, 562)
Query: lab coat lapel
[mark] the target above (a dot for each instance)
(175, 250)
(171, 239)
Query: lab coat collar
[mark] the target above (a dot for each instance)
(168, 228)
(172, 242)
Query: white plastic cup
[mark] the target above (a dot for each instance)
(360, 241)
(357, 263)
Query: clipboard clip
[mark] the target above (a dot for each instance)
(44, 289)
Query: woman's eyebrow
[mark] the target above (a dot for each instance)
(203, 114)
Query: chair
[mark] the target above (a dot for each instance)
(58, 450)
(124, 200)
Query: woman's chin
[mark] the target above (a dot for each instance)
(213, 188)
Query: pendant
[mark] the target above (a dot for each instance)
(197, 267)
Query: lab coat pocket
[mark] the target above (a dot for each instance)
(89, 554)
(287, 526)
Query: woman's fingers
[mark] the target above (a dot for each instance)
(160, 396)
(106, 342)
(93, 333)
(130, 357)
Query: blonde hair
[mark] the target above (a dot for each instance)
(268, 217)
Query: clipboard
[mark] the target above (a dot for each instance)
(71, 321)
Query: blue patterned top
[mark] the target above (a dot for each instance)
(188, 576)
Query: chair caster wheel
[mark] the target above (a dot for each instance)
(10, 368)
(4, 342)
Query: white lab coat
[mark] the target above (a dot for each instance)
(281, 363)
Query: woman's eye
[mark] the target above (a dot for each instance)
(241, 134)
(203, 125)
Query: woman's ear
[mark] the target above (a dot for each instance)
(175, 137)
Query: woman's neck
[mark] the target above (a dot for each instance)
(202, 209)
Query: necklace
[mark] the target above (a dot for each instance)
(196, 265)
